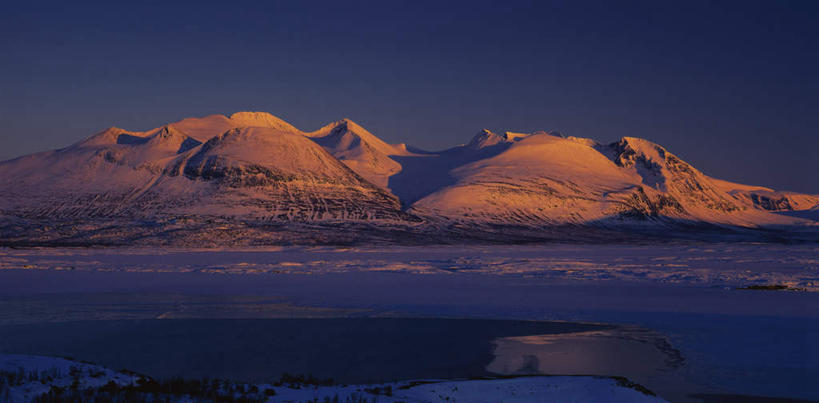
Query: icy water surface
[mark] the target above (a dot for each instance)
(349, 350)
(739, 319)
(729, 265)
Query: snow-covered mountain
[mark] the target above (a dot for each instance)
(547, 179)
(254, 178)
(362, 151)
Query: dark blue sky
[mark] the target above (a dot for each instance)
(732, 87)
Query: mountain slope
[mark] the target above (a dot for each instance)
(359, 149)
(548, 180)
(249, 173)
(362, 151)
(252, 178)
(272, 174)
(425, 173)
(542, 179)
(768, 199)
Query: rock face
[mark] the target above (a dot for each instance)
(252, 178)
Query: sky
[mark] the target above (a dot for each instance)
(731, 87)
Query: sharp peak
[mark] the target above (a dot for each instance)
(169, 128)
(638, 143)
(636, 140)
(484, 133)
(485, 138)
(346, 122)
(511, 136)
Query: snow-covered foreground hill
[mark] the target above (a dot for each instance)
(254, 179)
(23, 378)
(26, 378)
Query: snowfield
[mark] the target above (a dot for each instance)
(38, 375)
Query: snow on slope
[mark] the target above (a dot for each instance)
(287, 155)
(100, 175)
(359, 149)
(521, 389)
(53, 372)
(253, 165)
(485, 138)
(542, 178)
(39, 374)
(362, 151)
(257, 172)
(768, 199)
(545, 179)
(275, 174)
(424, 173)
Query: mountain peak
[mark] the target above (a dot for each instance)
(168, 131)
(253, 165)
(171, 138)
(630, 148)
(485, 138)
(104, 137)
(261, 119)
(349, 124)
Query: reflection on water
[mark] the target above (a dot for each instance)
(258, 338)
(350, 350)
(642, 355)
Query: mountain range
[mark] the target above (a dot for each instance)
(254, 179)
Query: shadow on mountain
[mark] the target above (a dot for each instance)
(422, 175)
(806, 214)
(131, 140)
(188, 144)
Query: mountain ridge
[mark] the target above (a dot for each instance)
(266, 181)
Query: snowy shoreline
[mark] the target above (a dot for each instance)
(25, 378)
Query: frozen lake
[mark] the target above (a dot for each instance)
(682, 307)
(728, 265)
(348, 350)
